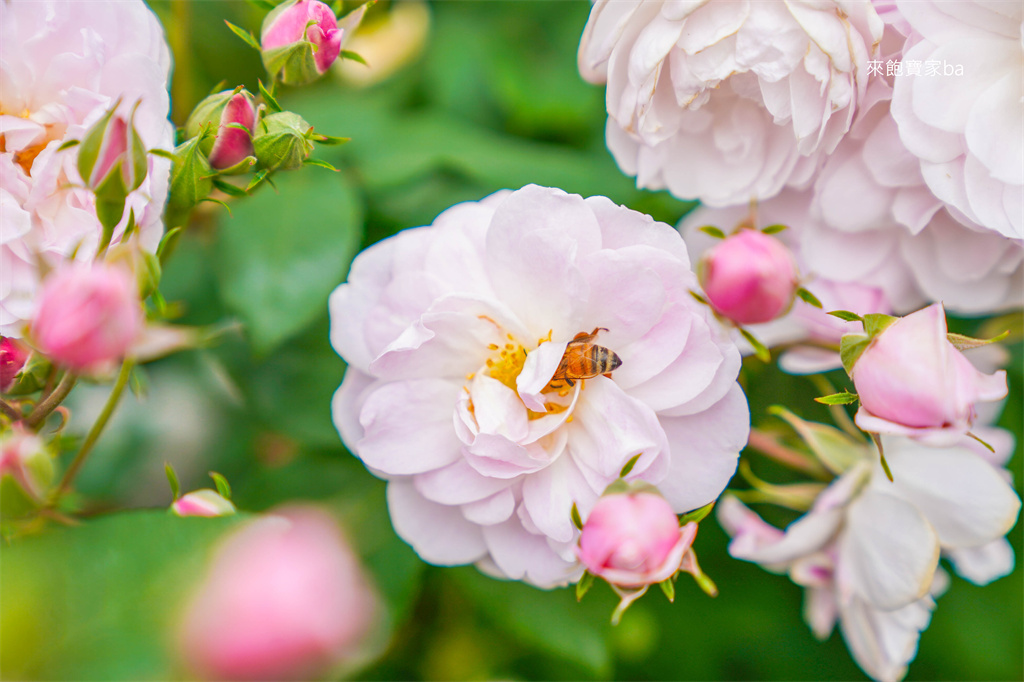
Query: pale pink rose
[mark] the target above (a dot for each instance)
(204, 502)
(634, 539)
(304, 20)
(965, 121)
(284, 598)
(912, 381)
(749, 277)
(88, 316)
(452, 334)
(63, 65)
(726, 101)
(12, 358)
(867, 552)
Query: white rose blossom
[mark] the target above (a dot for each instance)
(726, 101)
(63, 65)
(868, 550)
(453, 333)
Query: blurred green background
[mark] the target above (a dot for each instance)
(493, 100)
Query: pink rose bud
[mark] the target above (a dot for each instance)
(12, 358)
(913, 382)
(749, 277)
(112, 152)
(87, 316)
(300, 41)
(224, 112)
(203, 502)
(284, 599)
(634, 539)
(25, 460)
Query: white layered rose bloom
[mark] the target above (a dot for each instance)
(868, 550)
(965, 122)
(453, 333)
(727, 101)
(63, 65)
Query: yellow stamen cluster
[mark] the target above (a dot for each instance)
(509, 363)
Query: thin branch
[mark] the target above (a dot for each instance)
(9, 411)
(50, 403)
(770, 447)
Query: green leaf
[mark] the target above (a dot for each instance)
(628, 466)
(712, 231)
(876, 323)
(172, 478)
(223, 487)
(669, 588)
(775, 229)
(257, 179)
(330, 140)
(98, 601)
(698, 297)
(319, 163)
(961, 342)
(807, 297)
(697, 515)
(167, 244)
(246, 36)
(585, 583)
(68, 145)
(228, 188)
(851, 346)
(282, 255)
(574, 514)
(268, 96)
(760, 350)
(354, 56)
(842, 398)
(846, 315)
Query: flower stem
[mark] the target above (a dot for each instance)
(52, 401)
(95, 431)
(767, 445)
(9, 411)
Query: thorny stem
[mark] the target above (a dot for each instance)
(50, 403)
(95, 431)
(769, 446)
(9, 412)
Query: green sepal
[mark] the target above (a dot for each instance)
(32, 376)
(628, 466)
(669, 588)
(228, 188)
(68, 145)
(842, 398)
(984, 443)
(247, 36)
(263, 4)
(172, 478)
(211, 200)
(223, 487)
(876, 323)
(167, 244)
(807, 297)
(281, 141)
(330, 140)
(775, 229)
(162, 153)
(354, 56)
(256, 180)
(712, 231)
(268, 97)
(846, 315)
(703, 581)
(697, 515)
(574, 515)
(293, 64)
(760, 350)
(851, 346)
(138, 383)
(89, 151)
(961, 342)
(190, 177)
(796, 496)
(319, 163)
(699, 298)
(833, 448)
(243, 166)
(877, 438)
(586, 581)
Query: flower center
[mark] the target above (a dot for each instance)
(507, 366)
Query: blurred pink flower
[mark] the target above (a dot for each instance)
(63, 65)
(634, 539)
(913, 382)
(284, 598)
(25, 457)
(452, 334)
(867, 552)
(749, 277)
(725, 101)
(88, 316)
(965, 122)
(12, 358)
(204, 502)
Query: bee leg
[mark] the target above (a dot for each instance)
(607, 374)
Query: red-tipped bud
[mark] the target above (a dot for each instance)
(12, 358)
(231, 115)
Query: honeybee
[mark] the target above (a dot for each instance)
(584, 359)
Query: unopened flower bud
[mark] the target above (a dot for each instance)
(87, 316)
(26, 471)
(112, 163)
(300, 41)
(749, 277)
(912, 381)
(282, 141)
(224, 112)
(204, 502)
(634, 539)
(12, 358)
(284, 599)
